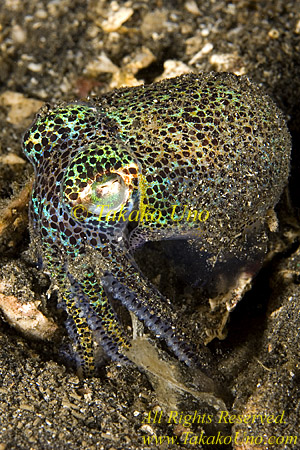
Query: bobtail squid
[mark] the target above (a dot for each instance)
(200, 157)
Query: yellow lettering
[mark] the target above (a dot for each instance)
(173, 415)
(271, 442)
(209, 419)
(291, 440)
(145, 214)
(113, 217)
(147, 419)
(154, 420)
(193, 440)
(186, 433)
(223, 417)
(236, 437)
(121, 214)
(187, 420)
(173, 212)
(247, 418)
(101, 211)
(136, 218)
(250, 440)
(152, 216)
(190, 213)
(206, 215)
(280, 418)
(270, 419)
(80, 212)
(253, 418)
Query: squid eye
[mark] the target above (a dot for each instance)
(108, 194)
